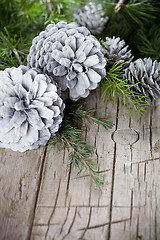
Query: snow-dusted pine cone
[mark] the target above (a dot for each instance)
(30, 109)
(146, 75)
(71, 55)
(92, 17)
(117, 50)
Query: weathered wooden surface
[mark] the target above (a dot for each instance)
(40, 198)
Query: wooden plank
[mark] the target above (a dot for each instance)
(128, 206)
(136, 197)
(19, 186)
(68, 205)
(41, 198)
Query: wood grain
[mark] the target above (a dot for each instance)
(19, 181)
(46, 200)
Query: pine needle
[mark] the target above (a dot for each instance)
(69, 137)
(116, 87)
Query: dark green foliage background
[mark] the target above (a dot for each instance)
(21, 20)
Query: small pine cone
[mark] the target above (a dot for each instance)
(146, 75)
(30, 109)
(92, 17)
(71, 55)
(116, 50)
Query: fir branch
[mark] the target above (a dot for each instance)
(79, 151)
(80, 114)
(116, 87)
(139, 12)
(17, 56)
(69, 137)
(49, 6)
(81, 160)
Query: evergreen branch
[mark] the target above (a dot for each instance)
(49, 5)
(139, 12)
(116, 87)
(85, 162)
(79, 152)
(81, 114)
(69, 137)
(17, 56)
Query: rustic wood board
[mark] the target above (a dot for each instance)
(41, 198)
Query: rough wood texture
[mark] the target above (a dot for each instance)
(41, 198)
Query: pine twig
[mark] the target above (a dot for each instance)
(119, 5)
(90, 170)
(49, 6)
(70, 137)
(17, 56)
(115, 86)
(129, 99)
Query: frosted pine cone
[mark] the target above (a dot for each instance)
(71, 55)
(30, 109)
(146, 75)
(92, 17)
(117, 50)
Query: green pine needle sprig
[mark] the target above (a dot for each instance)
(138, 12)
(70, 135)
(116, 87)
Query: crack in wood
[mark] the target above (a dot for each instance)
(53, 211)
(69, 230)
(150, 136)
(131, 168)
(113, 176)
(20, 187)
(68, 182)
(87, 175)
(65, 220)
(37, 193)
(147, 160)
(74, 206)
(137, 229)
(131, 206)
(104, 224)
(156, 220)
(88, 223)
(145, 171)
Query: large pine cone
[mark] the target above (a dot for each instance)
(71, 55)
(92, 17)
(30, 109)
(117, 51)
(146, 75)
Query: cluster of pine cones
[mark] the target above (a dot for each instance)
(143, 74)
(65, 62)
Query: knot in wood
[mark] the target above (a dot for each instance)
(125, 136)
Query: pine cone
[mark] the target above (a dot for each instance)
(92, 17)
(116, 50)
(30, 109)
(146, 76)
(71, 55)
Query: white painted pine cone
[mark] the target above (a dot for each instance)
(146, 75)
(71, 55)
(30, 109)
(92, 17)
(117, 51)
